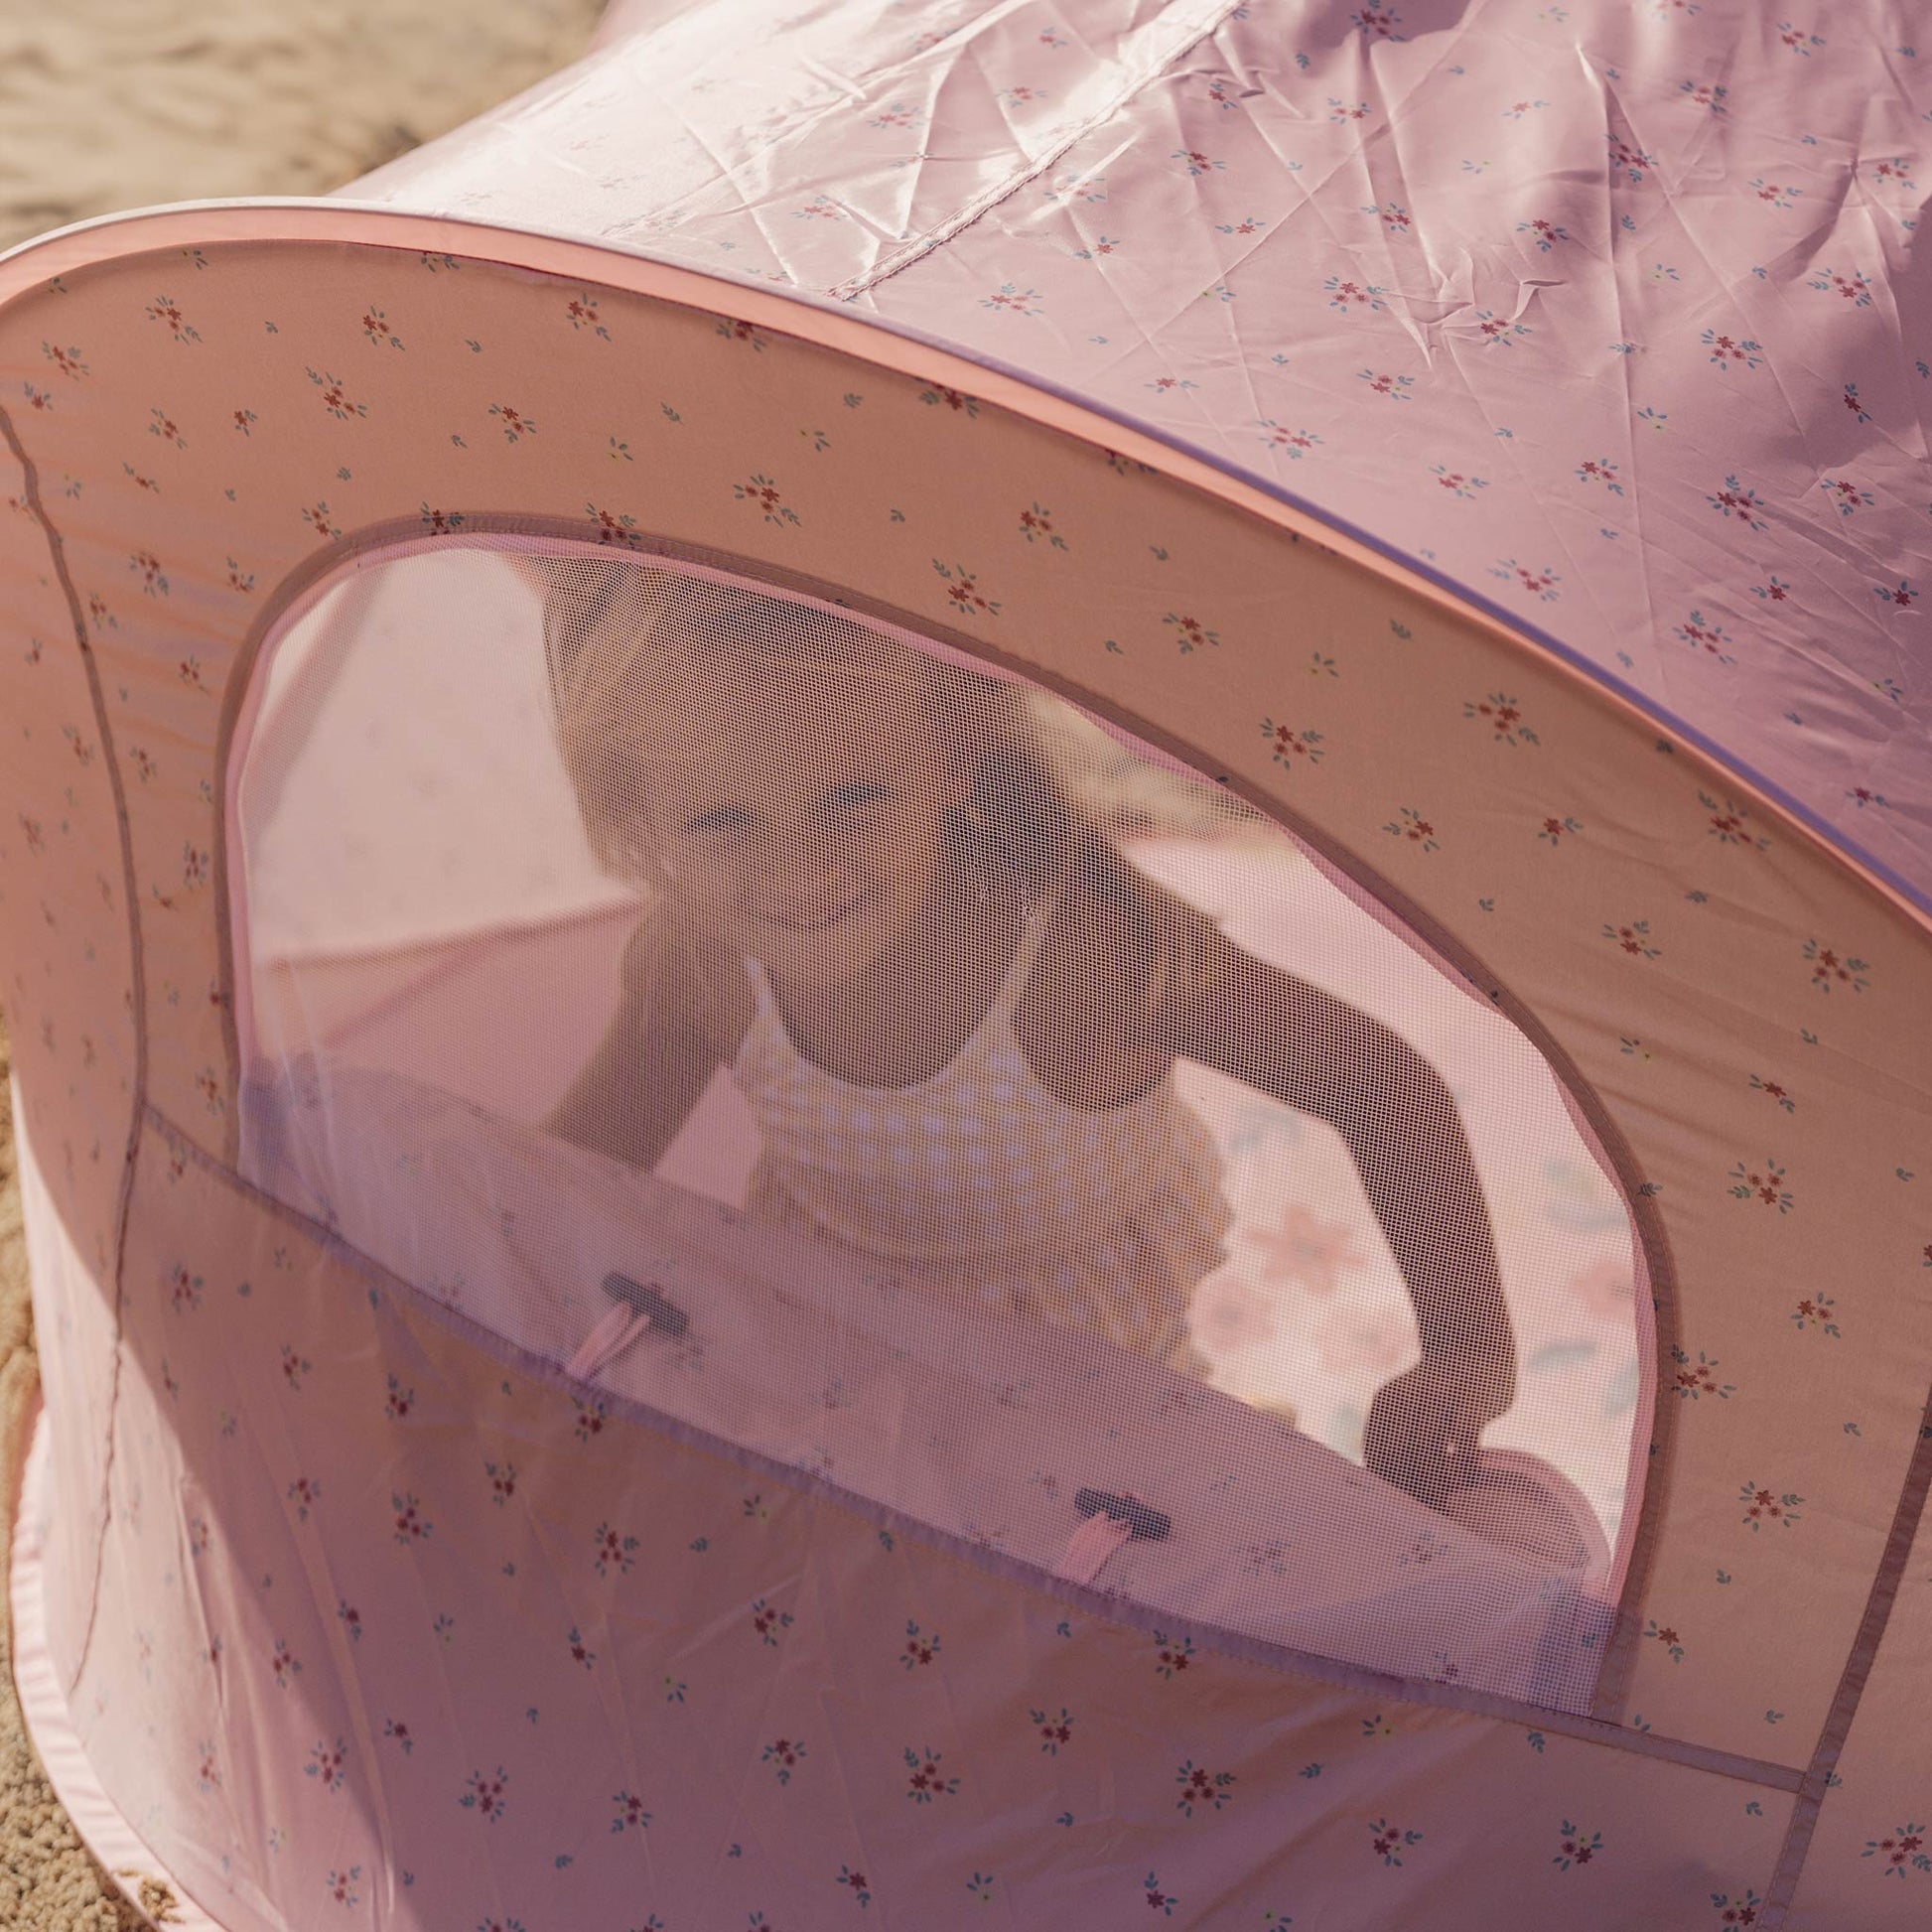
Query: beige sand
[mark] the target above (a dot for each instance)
(123, 103)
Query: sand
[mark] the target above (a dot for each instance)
(109, 104)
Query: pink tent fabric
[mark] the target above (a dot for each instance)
(1468, 462)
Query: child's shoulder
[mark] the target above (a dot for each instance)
(674, 978)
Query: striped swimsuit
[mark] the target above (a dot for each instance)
(979, 1181)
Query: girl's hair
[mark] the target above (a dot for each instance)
(629, 646)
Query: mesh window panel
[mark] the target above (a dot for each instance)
(788, 1027)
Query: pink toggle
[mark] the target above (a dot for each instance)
(1089, 1547)
(607, 1341)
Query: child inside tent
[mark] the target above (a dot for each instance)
(953, 1006)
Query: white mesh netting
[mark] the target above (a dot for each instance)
(788, 1027)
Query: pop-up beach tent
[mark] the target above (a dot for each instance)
(970, 966)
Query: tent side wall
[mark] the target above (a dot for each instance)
(1743, 1010)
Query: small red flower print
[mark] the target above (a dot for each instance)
(1703, 93)
(734, 330)
(1456, 483)
(1036, 526)
(1196, 162)
(41, 399)
(1693, 1380)
(1157, 1898)
(1010, 299)
(783, 1756)
(1396, 388)
(820, 207)
(244, 420)
(1706, 638)
(334, 398)
(770, 1625)
(1846, 496)
(1573, 1848)
(1815, 1311)
(1852, 288)
(1190, 630)
(1728, 823)
(1505, 717)
(920, 1649)
(1634, 938)
(1499, 331)
(1389, 1842)
(1546, 233)
(283, 1665)
(1666, 1635)
(1775, 1091)
(1555, 830)
(67, 360)
(1284, 746)
(1631, 162)
(1340, 113)
(515, 423)
(408, 1524)
(503, 1481)
(375, 326)
(1766, 1509)
(1902, 1850)
(166, 311)
(898, 114)
(1293, 443)
(485, 1795)
(614, 1551)
(1743, 1910)
(763, 493)
(1903, 596)
(1416, 829)
(350, 1619)
(940, 397)
(1735, 500)
(1346, 297)
(631, 1815)
(1766, 1186)
(318, 520)
(1053, 1730)
(396, 1728)
(399, 1401)
(1201, 1789)
(441, 523)
(207, 1773)
(926, 1781)
(1172, 1655)
(581, 312)
(1829, 968)
(326, 1764)
(147, 566)
(294, 1368)
(1733, 352)
(853, 1882)
(963, 591)
(1539, 583)
(590, 1419)
(1518, 108)
(613, 526)
(340, 1886)
(184, 1290)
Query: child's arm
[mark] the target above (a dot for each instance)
(1314, 1052)
(650, 1069)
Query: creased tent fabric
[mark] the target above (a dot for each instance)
(1609, 315)
(302, 1516)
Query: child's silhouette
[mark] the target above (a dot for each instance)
(953, 1006)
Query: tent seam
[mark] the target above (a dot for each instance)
(1858, 1671)
(137, 981)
